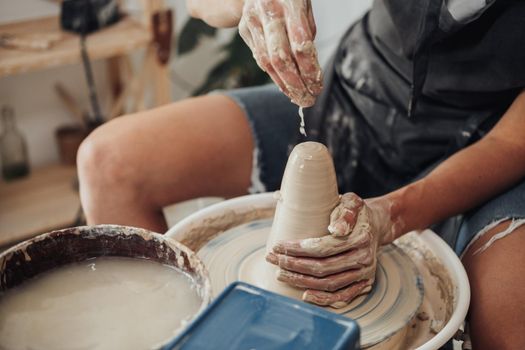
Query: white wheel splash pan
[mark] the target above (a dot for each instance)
(205, 224)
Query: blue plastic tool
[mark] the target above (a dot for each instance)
(246, 317)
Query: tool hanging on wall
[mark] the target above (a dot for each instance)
(97, 114)
(155, 63)
(162, 21)
(85, 17)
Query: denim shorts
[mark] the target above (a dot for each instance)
(274, 121)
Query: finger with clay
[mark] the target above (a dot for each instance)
(336, 268)
(280, 34)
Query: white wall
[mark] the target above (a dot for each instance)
(333, 17)
(39, 111)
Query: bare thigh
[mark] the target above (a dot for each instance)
(497, 280)
(133, 166)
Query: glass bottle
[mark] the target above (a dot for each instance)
(13, 148)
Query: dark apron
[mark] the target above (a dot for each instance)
(408, 87)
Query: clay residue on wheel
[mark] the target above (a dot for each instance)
(439, 296)
(200, 234)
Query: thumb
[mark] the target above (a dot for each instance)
(344, 216)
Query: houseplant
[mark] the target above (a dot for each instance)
(236, 69)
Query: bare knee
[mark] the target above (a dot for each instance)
(497, 279)
(105, 164)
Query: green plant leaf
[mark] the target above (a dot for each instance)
(192, 32)
(238, 66)
(216, 78)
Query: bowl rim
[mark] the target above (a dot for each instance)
(195, 262)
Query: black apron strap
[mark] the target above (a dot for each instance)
(418, 37)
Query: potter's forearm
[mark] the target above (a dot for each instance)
(466, 179)
(224, 13)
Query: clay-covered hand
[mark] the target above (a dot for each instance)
(336, 268)
(280, 34)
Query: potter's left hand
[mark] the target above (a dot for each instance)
(336, 268)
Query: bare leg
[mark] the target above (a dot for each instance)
(133, 166)
(497, 280)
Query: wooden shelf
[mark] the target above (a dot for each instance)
(44, 201)
(126, 35)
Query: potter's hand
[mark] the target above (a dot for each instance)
(336, 268)
(280, 34)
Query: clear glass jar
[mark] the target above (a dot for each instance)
(13, 147)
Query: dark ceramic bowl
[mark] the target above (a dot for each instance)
(50, 250)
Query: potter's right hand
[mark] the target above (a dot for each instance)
(336, 268)
(280, 34)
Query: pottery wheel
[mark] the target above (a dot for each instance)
(238, 254)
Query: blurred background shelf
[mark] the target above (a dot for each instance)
(136, 77)
(40, 43)
(119, 39)
(44, 201)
